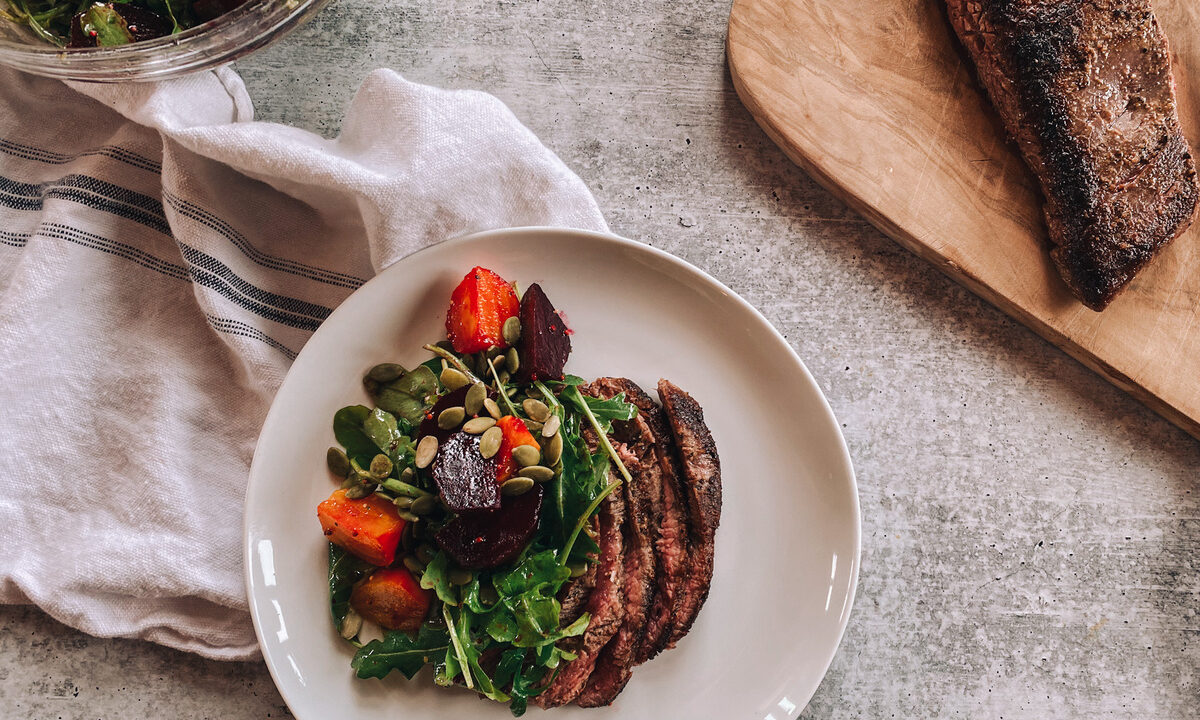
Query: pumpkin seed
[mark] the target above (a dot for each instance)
(490, 441)
(358, 492)
(536, 410)
(351, 624)
(552, 453)
(407, 475)
(350, 482)
(451, 418)
(473, 403)
(426, 450)
(476, 426)
(533, 425)
(454, 379)
(381, 466)
(423, 505)
(458, 576)
(512, 360)
(492, 407)
(424, 553)
(337, 461)
(408, 515)
(578, 569)
(504, 378)
(385, 372)
(526, 455)
(414, 564)
(537, 473)
(511, 330)
(403, 502)
(516, 486)
(551, 426)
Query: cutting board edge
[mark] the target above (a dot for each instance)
(805, 160)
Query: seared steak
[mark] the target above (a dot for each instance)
(575, 593)
(1085, 89)
(702, 473)
(615, 664)
(670, 544)
(605, 604)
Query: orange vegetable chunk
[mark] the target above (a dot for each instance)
(515, 433)
(478, 308)
(393, 598)
(369, 528)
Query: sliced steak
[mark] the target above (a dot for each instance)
(1085, 89)
(669, 510)
(702, 486)
(574, 595)
(605, 605)
(615, 664)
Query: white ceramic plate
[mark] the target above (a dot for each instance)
(788, 545)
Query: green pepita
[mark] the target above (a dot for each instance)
(453, 379)
(492, 407)
(458, 576)
(358, 492)
(504, 378)
(381, 466)
(408, 515)
(533, 425)
(351, 482)
(512, 360)
(537, 473)
(403, 502)
(552, 453)
(423, 505)
(578, 569)
(351, 624)
(414, 564)
(511, 330)
(338, 463)
(516, 486)
(536, 410)
(385, 372)
(473, 403)
(490, 441)
(526, 455)
(426, 450)
(476, 426)
(551, 426)
(451, 418)
(407, 475)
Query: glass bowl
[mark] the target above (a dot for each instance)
(230, 36)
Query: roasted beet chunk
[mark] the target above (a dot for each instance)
(544, 344)
(486, 539)
(465, 480)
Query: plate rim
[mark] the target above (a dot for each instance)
(540, 232)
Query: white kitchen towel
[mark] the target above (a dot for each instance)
(162, 260)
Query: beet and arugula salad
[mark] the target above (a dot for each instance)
(529, 535)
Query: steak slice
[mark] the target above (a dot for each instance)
(615, 664)
(605, 605)
(702, 472)
(1085, 89)
(574, 595)
(671, 542)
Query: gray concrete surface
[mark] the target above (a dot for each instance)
(1030, 533)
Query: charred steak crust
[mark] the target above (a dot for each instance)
(702, 473)
(605, 604)
(671, 543)
(574, 595)
(1085, 89)
(614, 666)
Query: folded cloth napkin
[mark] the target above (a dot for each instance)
(162, 260)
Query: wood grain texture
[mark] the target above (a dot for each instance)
(877, 102)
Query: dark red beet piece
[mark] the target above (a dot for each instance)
(464, 478)
(544, 344)
(486, 539)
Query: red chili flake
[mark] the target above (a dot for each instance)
(92, 33)
(354, 534)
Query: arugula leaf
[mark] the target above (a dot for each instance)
(409, 395)
(437, 578)
(344, 570)
(106, 23)
(529, 616)
(605, 411)
(179, 12)
(401, 651)
(384, 430)
(348, 429)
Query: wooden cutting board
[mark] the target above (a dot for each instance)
(874, 100)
